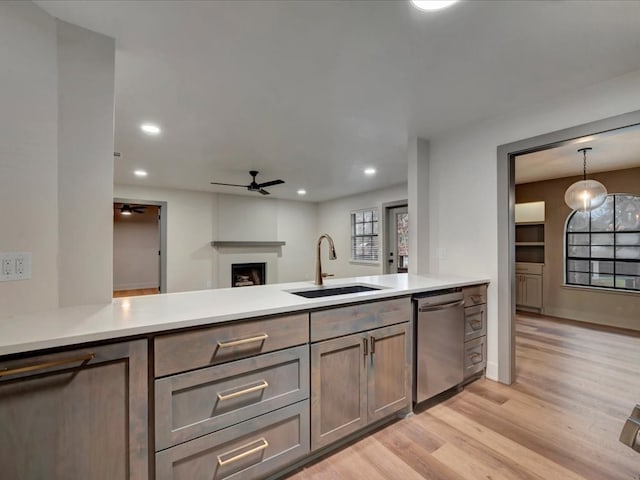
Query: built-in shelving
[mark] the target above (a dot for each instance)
(238, 243)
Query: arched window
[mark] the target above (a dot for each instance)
(602, 247)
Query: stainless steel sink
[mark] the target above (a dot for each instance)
(337, 290)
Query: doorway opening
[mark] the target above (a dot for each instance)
(506, 222)
(139, 247)
(396, 237)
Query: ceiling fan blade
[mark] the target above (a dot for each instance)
(229, 184)
(269, 184)
(264, 192)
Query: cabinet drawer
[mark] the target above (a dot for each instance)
(337, 322)
(193, 404)
(475, 322)
(248, 450)
(178, 352)
(475, 295)
(532, 268)
(475, 356)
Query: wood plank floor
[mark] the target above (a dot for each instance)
(135, 293)
(561, 419)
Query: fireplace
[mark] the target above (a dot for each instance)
(247, 274)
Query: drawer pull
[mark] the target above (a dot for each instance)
(365, 346)
(242, 455)
(475, 324)
(476, 298)
(475, 357)
(41, 366)
(264, 384)
(234, 343)
(373, 345)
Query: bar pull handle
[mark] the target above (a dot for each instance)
(373, 345)
(261, 386)
(365, 346)
(264, 444)
(432, 308)
(631, 429)
(41, 366)
(234, 343)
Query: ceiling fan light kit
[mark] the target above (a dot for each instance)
(253, 186)
(585, 195)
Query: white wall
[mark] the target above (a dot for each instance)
(334, 218)
(190, 229)
(463, 180)
(136, 239)
(194, 219)
(28, 153)
(86, 68)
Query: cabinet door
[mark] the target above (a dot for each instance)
(76, 414)
(338, 388)
(388, 376)
(532, 287)
(520, 300)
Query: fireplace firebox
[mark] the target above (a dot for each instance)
(247, 274)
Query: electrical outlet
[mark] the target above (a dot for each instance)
(15, 266)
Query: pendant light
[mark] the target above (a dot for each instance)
(585, 195)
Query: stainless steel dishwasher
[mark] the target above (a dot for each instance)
(439, 320)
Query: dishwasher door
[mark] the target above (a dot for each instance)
(439, 343)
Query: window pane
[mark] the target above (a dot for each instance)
(578, 239)
(602, 239)
(601, 267)
(599, 280)
(368, 228)
(578, 252)
(579, 222)
(627, 212)
(629, 283)
(628, 252)
(359, 228)
(602, 252)
(368, 216)
(628, 268)
(375, 228)
(375, 214)
(602, 217)
(628, 238)
(578, 278)
(578, 265)
(359, 217)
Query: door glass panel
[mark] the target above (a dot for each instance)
(402, 239)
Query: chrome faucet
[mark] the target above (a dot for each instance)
(332, 256)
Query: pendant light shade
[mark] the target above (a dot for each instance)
(585, 195)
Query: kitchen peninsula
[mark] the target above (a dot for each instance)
(242, 382)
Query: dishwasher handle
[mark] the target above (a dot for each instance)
(443, 306)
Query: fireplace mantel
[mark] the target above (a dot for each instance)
(236, 243)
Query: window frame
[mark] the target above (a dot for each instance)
(614, 259)
(353, 236)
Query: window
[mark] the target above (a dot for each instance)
(364, 235)
(602, 247)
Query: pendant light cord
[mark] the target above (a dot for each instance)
(584, 161)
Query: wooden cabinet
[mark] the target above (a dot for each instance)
(75, 414)
(529, 280)
(232, 400)
(475, 330)
(359, 378)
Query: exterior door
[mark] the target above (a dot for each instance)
(398, 240)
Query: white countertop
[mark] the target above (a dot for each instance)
(129, 316)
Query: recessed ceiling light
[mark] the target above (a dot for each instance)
(432, 5)
(150, 128)
(369, 171)
(140, 173)
(302, 191)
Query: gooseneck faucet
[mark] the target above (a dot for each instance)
(332, 256)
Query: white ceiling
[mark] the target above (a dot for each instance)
(613, 150)
(314, 91)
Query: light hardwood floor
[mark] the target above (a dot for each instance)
(135, 293)
(561, 419)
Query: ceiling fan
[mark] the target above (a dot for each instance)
(253, 186)
(129, 209)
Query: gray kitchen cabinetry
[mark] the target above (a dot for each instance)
(529, 279)
(79, 413)
(475, 330)
(236, 402)
(363, 376)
